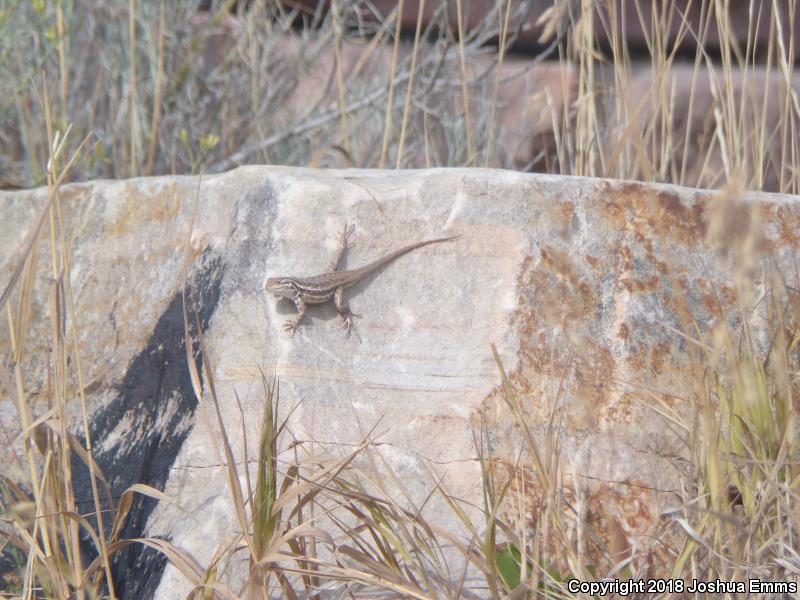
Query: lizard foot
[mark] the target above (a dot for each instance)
(346, 234)
(292, 326)
(347, 322)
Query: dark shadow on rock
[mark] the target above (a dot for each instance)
(156, 401)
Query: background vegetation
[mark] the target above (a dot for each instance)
(167, 88)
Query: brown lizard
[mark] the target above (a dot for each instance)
(321, 288)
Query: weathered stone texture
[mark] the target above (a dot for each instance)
(584, 280)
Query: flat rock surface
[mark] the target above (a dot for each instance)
(583, 285)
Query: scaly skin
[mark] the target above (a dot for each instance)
(321, 288)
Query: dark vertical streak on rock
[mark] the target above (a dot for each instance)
(156, 399)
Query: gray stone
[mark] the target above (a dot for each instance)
(568, 277)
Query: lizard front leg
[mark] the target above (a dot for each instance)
(345, 245)
(301, 313)
(343, 309)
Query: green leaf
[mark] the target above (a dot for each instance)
(509, 564)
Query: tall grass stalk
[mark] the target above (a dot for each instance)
(51, 537)
(387, 120)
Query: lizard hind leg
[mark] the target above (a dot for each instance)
(344, 245)
(294, 324)
(343, 309)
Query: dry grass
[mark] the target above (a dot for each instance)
(159, 88)
(155, 89)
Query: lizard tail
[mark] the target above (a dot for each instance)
(365, 270)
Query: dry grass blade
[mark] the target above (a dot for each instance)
(156, 116)
(513, 401)
(234, 486)
(265, 517)
(74, 444)
(126, 501)
(337, 30)
(300, 531)
(464, 94)
(43, 216)
(348, 575)
(387, 127)
(180, 559)
(410, 85)
(363, 560)
(328, 471)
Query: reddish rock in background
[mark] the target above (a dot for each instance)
(629, 16)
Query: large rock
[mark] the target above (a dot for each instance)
(683, 21)
(576, 279)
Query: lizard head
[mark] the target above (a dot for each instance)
(280, 286)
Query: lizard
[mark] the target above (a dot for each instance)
(332, 284)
